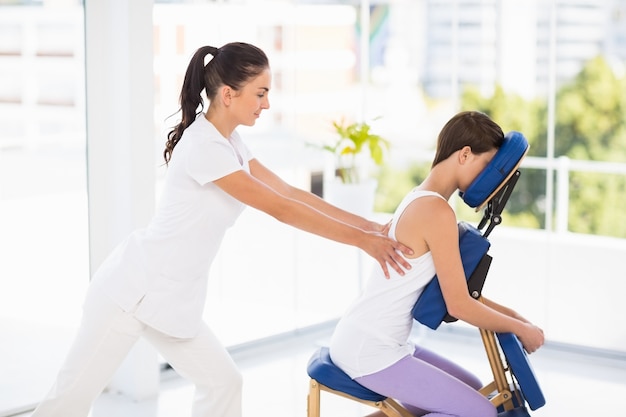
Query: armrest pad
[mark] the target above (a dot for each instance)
(521, 368)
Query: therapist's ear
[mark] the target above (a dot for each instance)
(225, 94)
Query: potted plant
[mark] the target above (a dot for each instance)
(353, 140)
(350, 188)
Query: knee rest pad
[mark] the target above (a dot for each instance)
(322, 369)
(501, 167)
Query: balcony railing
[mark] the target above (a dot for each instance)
(563, 167)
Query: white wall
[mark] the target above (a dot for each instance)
(570, 285)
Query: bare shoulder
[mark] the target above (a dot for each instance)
(427, 209)
(422, 217)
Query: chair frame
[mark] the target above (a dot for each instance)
(388, 406)
(503, 392)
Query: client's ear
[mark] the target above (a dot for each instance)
(464, 154)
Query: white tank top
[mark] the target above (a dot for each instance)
(374, 332)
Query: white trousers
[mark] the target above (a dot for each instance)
(106, 335)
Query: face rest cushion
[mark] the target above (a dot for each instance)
(498, 171)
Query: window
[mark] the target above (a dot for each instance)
(43, 195)
(404, 66)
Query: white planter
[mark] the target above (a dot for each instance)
(356, 198)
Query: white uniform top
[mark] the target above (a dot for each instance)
(374, 332)
(166, 265)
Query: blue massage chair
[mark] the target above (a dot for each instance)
(514, 389)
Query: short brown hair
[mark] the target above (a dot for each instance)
(468, 128)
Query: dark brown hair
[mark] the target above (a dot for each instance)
(469, 128)
(234, 64)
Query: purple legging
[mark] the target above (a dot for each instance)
(430, 385)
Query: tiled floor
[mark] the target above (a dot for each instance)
(575, 384)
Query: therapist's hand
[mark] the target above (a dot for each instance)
(387, 252)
